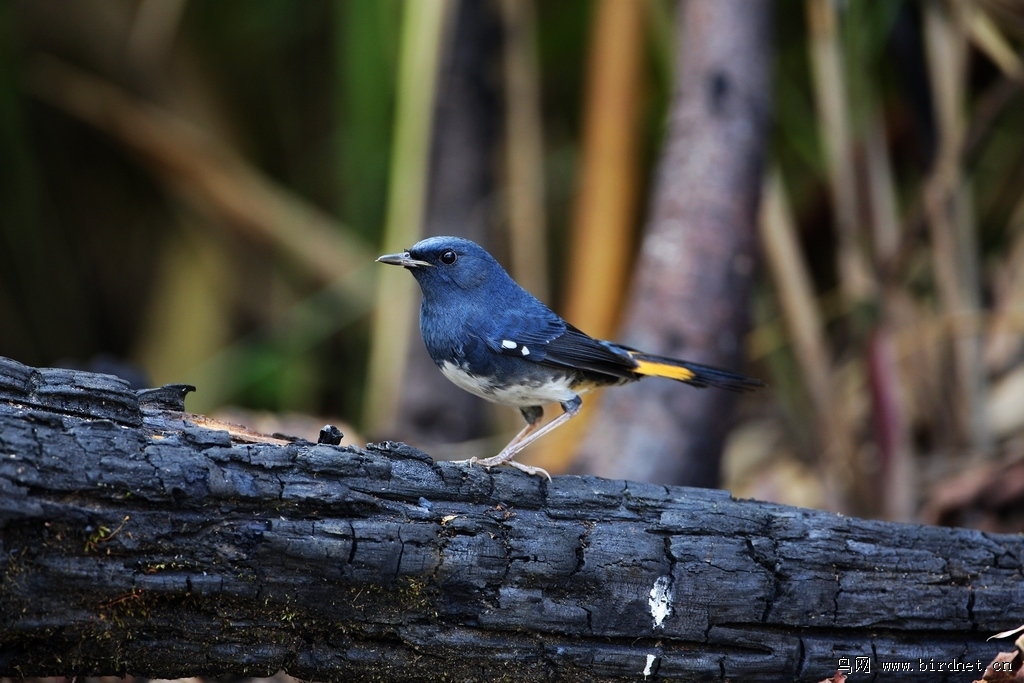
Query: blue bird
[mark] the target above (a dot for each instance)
(494, 339)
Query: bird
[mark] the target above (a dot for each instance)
(492, 338)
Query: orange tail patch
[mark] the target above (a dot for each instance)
(652, 368)
(693, 374)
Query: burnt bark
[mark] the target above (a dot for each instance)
(691, 292)
(138, 538)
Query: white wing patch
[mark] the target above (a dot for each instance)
(510, 345)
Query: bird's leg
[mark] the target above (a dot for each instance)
(529, 434)
(533, 416)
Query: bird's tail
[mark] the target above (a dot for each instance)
(693, 374)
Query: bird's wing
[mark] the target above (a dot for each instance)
(546, 338)
(525, 335)
(579, 350)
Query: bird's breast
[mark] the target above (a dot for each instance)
(522, 390)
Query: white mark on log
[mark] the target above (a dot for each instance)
(506, 344)
(651, 659)
(661, 600)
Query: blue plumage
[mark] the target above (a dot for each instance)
(491, 337)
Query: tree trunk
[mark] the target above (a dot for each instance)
(693, 281)
(139, 538)
(467, 127)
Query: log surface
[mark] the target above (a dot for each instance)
(135, 539)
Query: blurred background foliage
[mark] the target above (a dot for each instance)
(195, 192)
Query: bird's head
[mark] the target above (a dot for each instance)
(444, 263)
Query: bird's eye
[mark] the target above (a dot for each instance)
(449, 257)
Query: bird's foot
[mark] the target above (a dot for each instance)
(500, 460)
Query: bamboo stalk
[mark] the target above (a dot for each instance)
(844, 471)
(795, 290)
(946, 202)
(985, 33)
(1004, 339)
(802, 319)
(204, 172)
(154, 27)
(524, 149)
(606, 198)
(210, 177)
(423, 27)
(881, 188)
(605, 210)
(896, 474)
(832, 105)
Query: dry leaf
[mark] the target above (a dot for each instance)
(840, 677)
(1007, 634)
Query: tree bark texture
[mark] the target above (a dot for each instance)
(134, 537)
(691, 292)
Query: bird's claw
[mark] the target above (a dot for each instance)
(529, 469)
(495, 462)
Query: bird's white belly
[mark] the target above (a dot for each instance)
(524, 395)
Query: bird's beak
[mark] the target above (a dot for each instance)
(404, 260)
